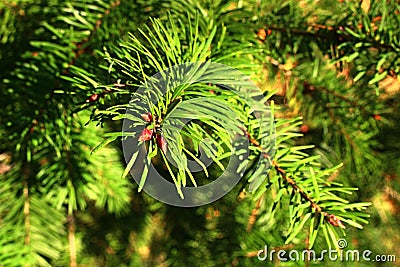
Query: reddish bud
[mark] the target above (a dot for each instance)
(35, 54)
(308, 87)
(333, 220)
(262, 34)
(304, 128)
(146, 135)
(378, 18)
(92, 98)
(377, 117)
(147, 117)
(162, 143)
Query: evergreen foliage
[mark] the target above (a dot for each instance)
(328, 71)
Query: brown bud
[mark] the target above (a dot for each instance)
(92, 98)
(147, 117)
(333, 220)
(262, 34)
(146, 135)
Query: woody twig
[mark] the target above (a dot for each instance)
(330, 218)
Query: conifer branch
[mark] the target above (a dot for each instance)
(81, 46)
(330, 218)
(63, 177)
(310, 88)
(329, 34)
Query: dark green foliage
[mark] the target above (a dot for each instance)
(69, 70)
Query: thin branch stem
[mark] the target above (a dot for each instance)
(27, 220)
(311, 88)
(71, 241)
(253, 215)
(329, 32)
(330, 218)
